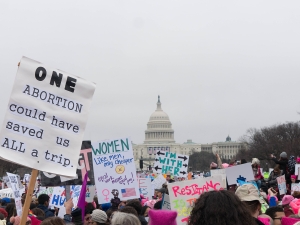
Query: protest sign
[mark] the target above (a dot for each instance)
(281, 184)
(243, 172)
(169, 162)
(58, 197)
(166, 202)
(7, 193)
(158, 182)
(26, 178)
(114, 169)
(145, 187)
(44, 190)
(15, 186)
(220, 172)
(184, 194)
(90, 193)
(45, 118)
(295, 187)
(85, 164)
(6, 181)
(297, 166)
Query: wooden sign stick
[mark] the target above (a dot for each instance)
(29, 193)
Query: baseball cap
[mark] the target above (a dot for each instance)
(161, 190)
(247, 193)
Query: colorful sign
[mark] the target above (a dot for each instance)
(85, 164)
(184, 194)
(242, 172)
(281, 184)
(46, 118)
(169, 162)
(145, 187)
(114, 169)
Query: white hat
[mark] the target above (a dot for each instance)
(99, 216)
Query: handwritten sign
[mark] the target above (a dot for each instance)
(7, 193)
(281, 184)
(114, 168)
(145, 187)
(295, 187)
(158, 182)
(173, 163)
(166, 202)
(15, 186)
(220, 172)
(58, 197)
(184, 194)
(45, 118)
(85, 164)
(243, 172)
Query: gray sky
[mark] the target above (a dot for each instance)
(220, 67)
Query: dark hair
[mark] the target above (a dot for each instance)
(220, 207)
(1, 216)
(296, 194)
(136, 205)
(53, 221)
(38, 212)
(89, 208)
(32, 206)
(273, 210)
(252, 205)
(43, 198)
(129, 210)
(11, 210)
(144, 208)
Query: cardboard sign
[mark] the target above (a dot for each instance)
(158, 182)
(45, 118)
(281, 184)
(114, 168)
(166, 202)
(145, 187)
(173, 163)
(15, 186)
(243, 172)
(220, 172)
(184, 194)
(85, 164)
(7, 193)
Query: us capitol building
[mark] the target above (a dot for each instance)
(159, 136)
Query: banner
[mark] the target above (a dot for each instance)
(114, 168)
(281, 184)
(15, 186)
(85, 164)
(169, 162)
(45, 118)
(145, 187)
(242, 172)
(184, 194)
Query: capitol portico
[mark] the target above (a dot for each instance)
(159, 136)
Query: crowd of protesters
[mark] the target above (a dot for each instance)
(255, 202)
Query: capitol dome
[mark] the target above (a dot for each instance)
(159, 127)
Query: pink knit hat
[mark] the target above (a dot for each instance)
(165, 217)
(287, 199)
(150, 203)
(16, 220)
(213, 165)
(289, 221)
(264, 220)
(294, 177)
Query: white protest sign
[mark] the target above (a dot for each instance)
(46, 118)
(297, 166)
(13, 179)
(158, 182)
(220, 172)
(7, 193)
(243, 172)
(6, 181)
(145, 187)
(295, 187)
(26, 178)
(44, 190)
(90, 193)
(114, 170)
(184, 194)
(166, 202)
(169, 162)
(281, 184)
(75, 190)
(58, 197)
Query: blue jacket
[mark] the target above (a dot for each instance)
(47, 211)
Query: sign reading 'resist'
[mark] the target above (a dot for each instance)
(46, 118)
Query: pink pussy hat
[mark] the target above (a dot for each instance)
(287, 199)
(165, 217)
(213, 165)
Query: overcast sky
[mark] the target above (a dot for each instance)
(220, 67)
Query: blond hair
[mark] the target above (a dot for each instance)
(120, 218)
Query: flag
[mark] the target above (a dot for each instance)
(128, 192)
(81, 199)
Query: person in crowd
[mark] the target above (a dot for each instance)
(138, 207)
(257, 172)
(4, 202)
(89, 208)
(272, 180)
(286, 200)
(43, 200)
(98, 217)
(109, 214)
(3, 211)
(129, 210)
(120, 218)
(2, 219)
(11, 211)
(40, 214)
(122, 204)
(276, 213)
(220, 207)
(249, 195)
(53, 221)
(291, 164)
(160, 193)
(16, 220)
(283, 165)
(293, 179)
(296, 194)
(169, 179)
(165, 217)
(145, 211)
